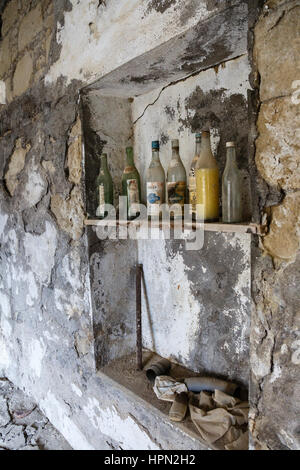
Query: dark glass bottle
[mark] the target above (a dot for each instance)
(104, 188)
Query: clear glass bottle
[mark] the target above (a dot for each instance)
(131, 185)
(207, 182)
(231, 188)
(155, 183)
(104, 188)
(176, 179)
(192, 178)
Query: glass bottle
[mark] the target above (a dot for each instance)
(231, 187)
(192, 178)
(207, 182)
(131, 185)
(155, 183)
(176, 179)
(104, 188)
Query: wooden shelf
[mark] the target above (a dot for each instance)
(251, 228)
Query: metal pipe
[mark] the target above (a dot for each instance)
(138, 285)
(197, 384)
(161, 367)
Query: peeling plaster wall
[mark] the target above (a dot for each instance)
(103, 48)
(48, 51)
(197, 313)
(47, 334)
(215, 98)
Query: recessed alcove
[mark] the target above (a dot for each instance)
(195, 303)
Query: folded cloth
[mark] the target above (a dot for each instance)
(240, 444)
(166, 388)
(179, 407)
(220, 417)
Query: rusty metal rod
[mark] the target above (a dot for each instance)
(139, 354)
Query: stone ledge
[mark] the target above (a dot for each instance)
(184, 432)
(145, 397)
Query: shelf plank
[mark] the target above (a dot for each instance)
(251, 228)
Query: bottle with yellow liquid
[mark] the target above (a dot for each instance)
(207, 182)
(192, 178)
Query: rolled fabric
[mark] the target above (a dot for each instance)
(197, 384)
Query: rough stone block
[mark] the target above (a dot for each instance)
(41, 261)
(282, 242)
(276, 50)
(34, 188)
(69, 213)
(16, 165)
(2, 92)
(74, 153)
(30, 26)
(8, 91)
(278, 147)
(9, 16)
(22, 76)
(12, 437)
(4, 415)
(5, 56)
(48, 43)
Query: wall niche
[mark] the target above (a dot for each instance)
(196, 304)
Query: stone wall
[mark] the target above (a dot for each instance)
(276, 321)
(49, 50)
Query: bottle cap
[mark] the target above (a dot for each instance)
(205, 132)
(230, 144)
(155, 144)
(175, 143)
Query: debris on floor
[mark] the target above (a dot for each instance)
(22, 424)
(220, 418)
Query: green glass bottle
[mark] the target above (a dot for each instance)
(131, 185)
(104, 188)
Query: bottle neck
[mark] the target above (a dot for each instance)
(129, 157)
(155, 155)
(198, 147)
(103, 161)
(231, 156)
(205, 143)
(175, 154)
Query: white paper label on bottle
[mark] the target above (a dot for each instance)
(176, 192)
(154, 198)
(101, 207)
(133, 198)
